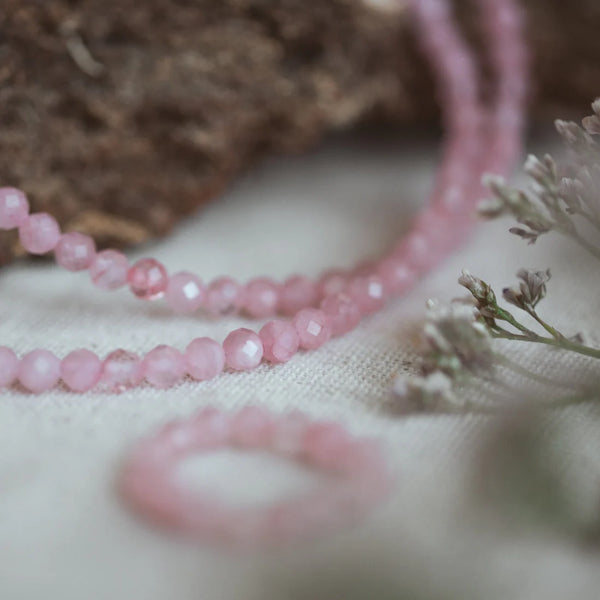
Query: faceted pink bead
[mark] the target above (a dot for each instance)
(39, 371)
(313, 328)
(39, 233)
(14, 208)
(332, 282)
(298, 292)
(121, 370)
(343, 313)
(252, 427)
(243, 350)
(80, 370)
(9, 366)
(416, 251)
(280, 341)
(148, 279)
(185, 292)
(163, 366)
(205, 358)
(75, 251)
(369, 293)
(396, 275)
(109, 269)
(223, 296)
(261, 297)
(213, 427)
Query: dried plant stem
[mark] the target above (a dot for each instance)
(562, 343)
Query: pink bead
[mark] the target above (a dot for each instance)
(368, 292)
(332, 282)
(213, 427)
(280, 341)
(223, 296)
(205, 358)
(313, 328)
(298, 292)
(39, 233)
(148, 279)
(343, 313)
(121, 370)
(9, 366)
(109, 269)
(416, 250)
(75, 251)
(80, 370)
(252, 427)
(14, 208)
(163, 366)
(261, 297)
(289, 433)
(325, 443)
(243, 350)
(185, 292)
(396, 275)
(39, 371)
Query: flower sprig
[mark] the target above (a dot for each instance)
(560, 198)
(458, 341)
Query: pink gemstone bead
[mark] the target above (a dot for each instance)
(75, 251)
(205, 358)
(80, 370)
(298, 292)
(9, 366)
(163, 366)
(332, 282)
(223, 296)
(343, 313)
(109, 269)
(148, 279)
(252, 427)
(261, 297)
(121, 370)
(39, 233)
(369, 293)
(289, 433)
(243, 350)
(313, 328)
(14, 208)
(325, 443)
(280, 341)
(39, 371)
(396, 275)
(185, 292)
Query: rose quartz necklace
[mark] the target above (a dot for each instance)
(478, 139)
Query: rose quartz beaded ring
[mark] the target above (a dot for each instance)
(478, 139)
(356, 474)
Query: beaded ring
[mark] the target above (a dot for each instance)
(478, 140)
(356, 474)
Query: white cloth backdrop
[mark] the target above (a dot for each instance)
(64, 533)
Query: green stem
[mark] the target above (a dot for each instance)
(564, 343)
(551, 330)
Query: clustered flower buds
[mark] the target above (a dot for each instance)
(531, 290)
(559, 195)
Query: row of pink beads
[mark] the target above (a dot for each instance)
(345, 297)
(357, 477)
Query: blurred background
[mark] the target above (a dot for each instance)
(96, 96)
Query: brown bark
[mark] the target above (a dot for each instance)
(121, 117)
